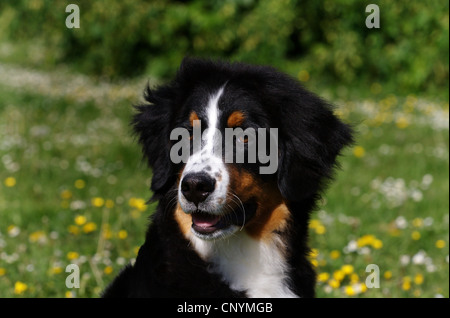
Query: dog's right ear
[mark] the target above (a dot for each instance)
(151, 124)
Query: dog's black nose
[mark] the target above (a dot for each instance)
(196, 187)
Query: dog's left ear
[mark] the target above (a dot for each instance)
(311, 139)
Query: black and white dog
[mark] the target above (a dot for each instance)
(221, 228)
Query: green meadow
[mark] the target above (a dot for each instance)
(73, 190)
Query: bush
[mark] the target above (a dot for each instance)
(326, 39)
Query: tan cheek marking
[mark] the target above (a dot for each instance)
(235, 119)
(271, 215)
(184, 221)
(269, 222)
(243, 185)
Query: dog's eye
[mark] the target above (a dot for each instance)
(242, 139)
(246, 137)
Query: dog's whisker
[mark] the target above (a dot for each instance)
(243, 209)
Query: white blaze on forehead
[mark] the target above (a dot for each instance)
(213, 118)
(207, 161)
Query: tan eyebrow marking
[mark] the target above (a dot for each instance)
(193, 116)
(235, 119)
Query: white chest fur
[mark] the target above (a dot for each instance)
(246, 264)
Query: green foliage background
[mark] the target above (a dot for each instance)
(327, 39)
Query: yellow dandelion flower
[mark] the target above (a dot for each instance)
(89, 227)
(36, 236)
(363, 288)
(387, 274)
(56, 270)
(349, 290)
(122, 234)
(339, 275)
(417, 222)
(321, 229)
(132, 201)
(335, 254)
(10, 182)
(314, 223)
(323, 277)
(334, 283)
(339, 113)
(108, 270)
(406, 285)
(69, 294)
(377, 244)
(314, 253)
(440, 243)
(73, 229)
(98, 202)
(314, 263)
(347, 269)
(418, 279)
(140, 205)
(359, 152)
(135, 213)
(20, 288)
(364, 240)
(80, 184)
(303, 75)
(66, 194)
(72, 255)
(109, 204)
(415, 235)
(402, 122)
(354, 278)
(13, 230)
(2, 271)
(393, 231)
(106, 232)
(80, 219)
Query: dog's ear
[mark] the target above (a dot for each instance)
(151, 124)
(310, 140)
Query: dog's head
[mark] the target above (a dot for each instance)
(236, 143)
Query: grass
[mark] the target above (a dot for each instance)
(73, 187)
(388, 206)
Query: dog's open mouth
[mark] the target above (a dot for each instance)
(209, 225)
(206, 223)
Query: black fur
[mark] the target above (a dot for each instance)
(310, 139)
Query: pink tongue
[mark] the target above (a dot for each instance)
(204, 219)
